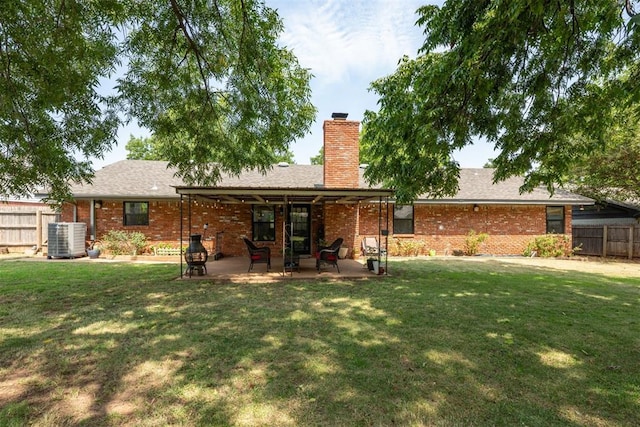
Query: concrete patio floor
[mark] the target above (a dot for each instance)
(234, 269)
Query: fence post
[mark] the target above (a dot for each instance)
(605, 237)
(630, 250)
(38, 229)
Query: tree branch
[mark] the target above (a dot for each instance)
(629, 8)
(196, 50)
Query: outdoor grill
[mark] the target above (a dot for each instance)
(196, 256)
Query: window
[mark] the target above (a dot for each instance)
(264, 223)
(403, 219)
(136, 213)
(555, 219)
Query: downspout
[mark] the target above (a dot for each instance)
(92, 220)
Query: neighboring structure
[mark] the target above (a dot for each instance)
(607, 228)
(315, 204)
(610, 212)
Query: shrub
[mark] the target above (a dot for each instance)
(118, 242)
(407, 247)
(473, 241)
(550, 245)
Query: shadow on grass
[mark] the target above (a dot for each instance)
(438, 343)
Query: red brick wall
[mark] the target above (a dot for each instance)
(234, 220)
(444, 228)
(341, 220)
(369, 214)
(341, 153)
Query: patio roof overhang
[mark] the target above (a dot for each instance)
(279, 195)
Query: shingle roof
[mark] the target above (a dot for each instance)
(153, 179)
(131, 179)
(476, 186)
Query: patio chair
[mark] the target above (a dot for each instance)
(329, 255)
(257, 254)
(370, 247)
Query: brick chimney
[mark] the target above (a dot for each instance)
(341, 152)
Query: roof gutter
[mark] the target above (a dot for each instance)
(572, 202)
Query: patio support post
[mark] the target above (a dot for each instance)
(386, 238)
(181, 231)
(285, 214)
(380, 231)
(287, 231)
(189, 222)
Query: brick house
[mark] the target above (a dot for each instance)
(315, 204)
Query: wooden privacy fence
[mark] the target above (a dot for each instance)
(24, 227)
(607, 240)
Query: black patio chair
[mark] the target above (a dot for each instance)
(257, 254)
(329, 255)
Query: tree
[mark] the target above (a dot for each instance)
(51, 57)
(490, 164)
(208, 79)
(612, 173)
(285, 156)
(151, 148)
(527, 75)
(144, 149)
(318, 159)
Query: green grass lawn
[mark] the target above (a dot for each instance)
(442, 342)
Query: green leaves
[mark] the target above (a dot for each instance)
(144, 149)
(51, 57)
(224, 96)
(525, 75)
(209, 80)
(611, 172)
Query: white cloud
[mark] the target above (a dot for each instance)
(341, 40)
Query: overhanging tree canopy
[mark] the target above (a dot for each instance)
(208, 78)
(612, 173)
(526, 75)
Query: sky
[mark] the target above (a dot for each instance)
(346, 44)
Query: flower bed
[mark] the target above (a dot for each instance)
(166, 251)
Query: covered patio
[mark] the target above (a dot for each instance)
(234, 269)
(337, 208)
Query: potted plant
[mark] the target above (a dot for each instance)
(93, 250)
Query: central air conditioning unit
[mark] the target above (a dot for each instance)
(66, 239)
